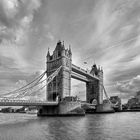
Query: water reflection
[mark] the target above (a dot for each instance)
(116, 126)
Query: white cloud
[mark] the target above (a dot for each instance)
(10, 7)
(131, 86)
(102, 31)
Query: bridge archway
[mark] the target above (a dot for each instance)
(78, 89)
(54, 96)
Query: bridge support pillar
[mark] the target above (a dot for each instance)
(95, 91)
(64, 108)
(48, 111)
(102, 107)
(92, 91)
(94, 87)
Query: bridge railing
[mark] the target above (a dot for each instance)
(9, 102)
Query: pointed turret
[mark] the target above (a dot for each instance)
(99, 68)
(60, 46)
(94, 70)
(48, 54)
(70, 50)
(102, 69)
(63, 46)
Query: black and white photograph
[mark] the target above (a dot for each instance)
(69, 69)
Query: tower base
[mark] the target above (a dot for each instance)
(64, 108)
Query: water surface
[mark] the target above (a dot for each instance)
(116, 126)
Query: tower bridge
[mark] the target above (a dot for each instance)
(59, 71)
(61, 85)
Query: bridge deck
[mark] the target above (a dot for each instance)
(83, 72)
(26, 103)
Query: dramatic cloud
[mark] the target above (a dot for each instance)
(131, 86)
(15, 18)
(107, 32)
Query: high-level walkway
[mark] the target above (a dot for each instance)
(81, 74)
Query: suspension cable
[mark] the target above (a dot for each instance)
(37, 90)
(31, 87)
(24, 91)
(49, 79)
(17, 90)
(106, 94)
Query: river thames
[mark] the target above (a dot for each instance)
(116, 126)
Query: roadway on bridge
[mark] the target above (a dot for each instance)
(4, 102)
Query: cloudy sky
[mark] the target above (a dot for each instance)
(104, 31)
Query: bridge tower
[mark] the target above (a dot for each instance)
(95, 87)
(61, 84)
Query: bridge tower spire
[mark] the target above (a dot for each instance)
(61, 84)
